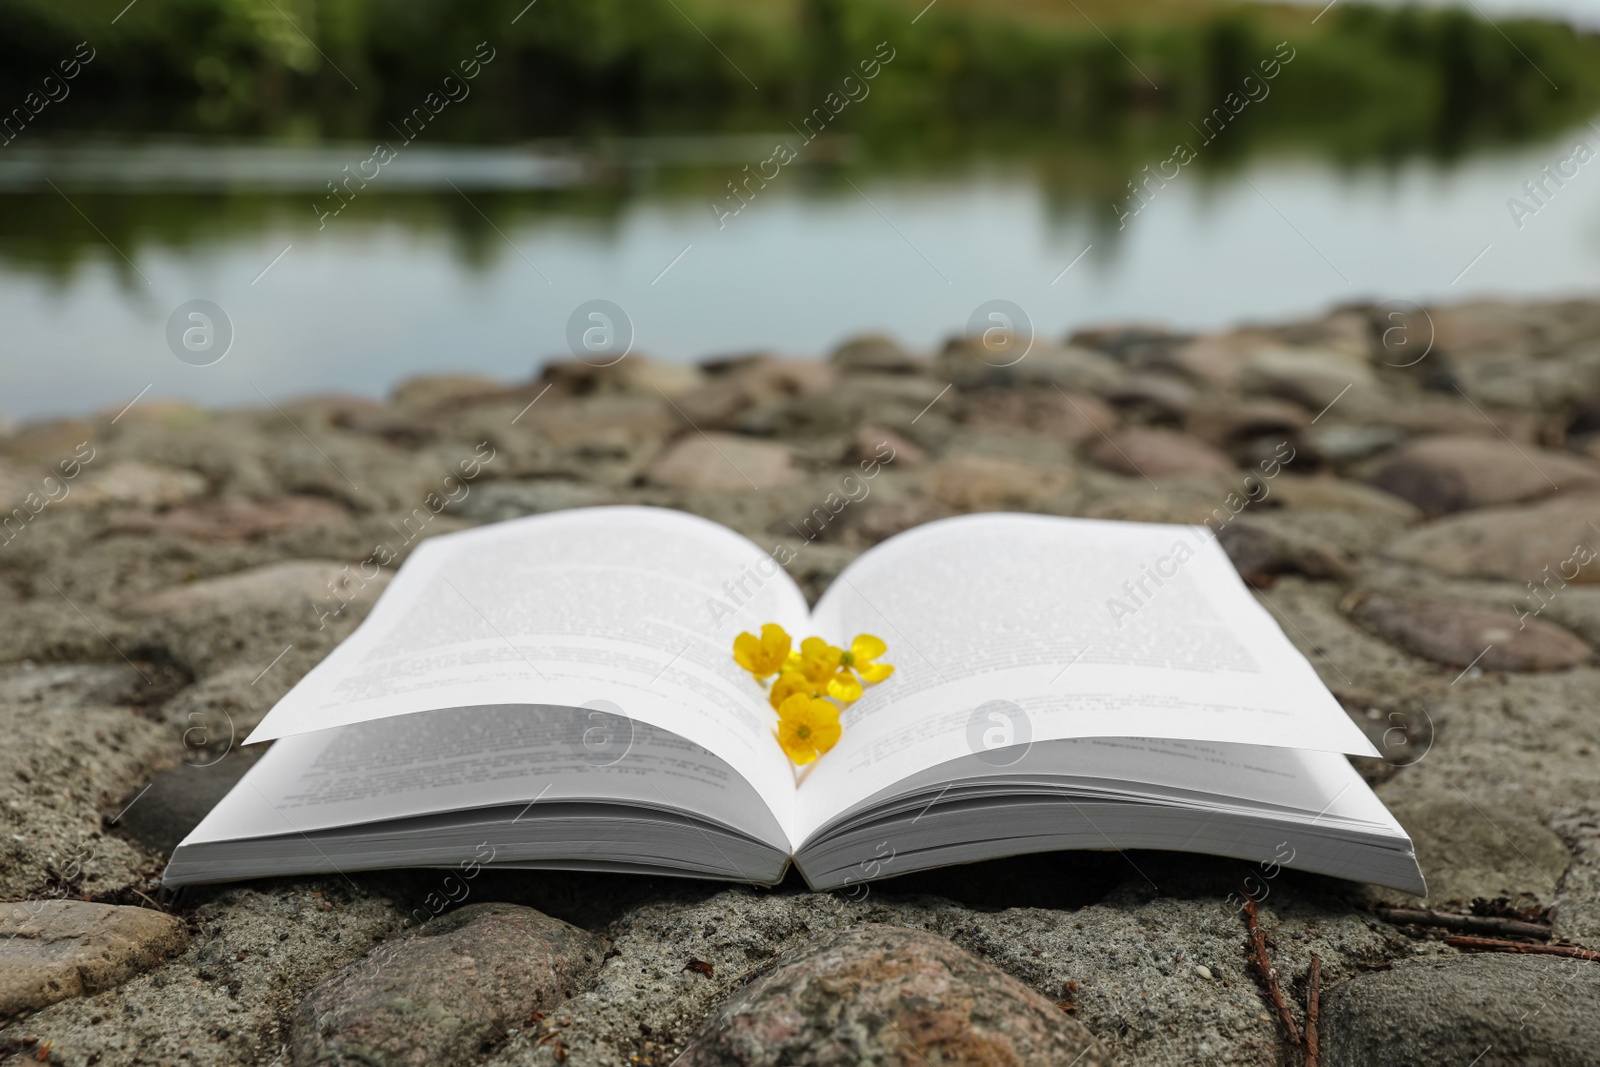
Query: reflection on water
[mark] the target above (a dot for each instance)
(474, 279)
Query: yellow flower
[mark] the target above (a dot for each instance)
(807, 727)
(789, 683)
(817, 660)
(765, 655)
(846, 685)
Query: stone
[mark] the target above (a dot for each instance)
(1487, 1009)
(54, 949)
(1338, 443)
(1314, 377)
(723, 462)
(162, 814)
(874, 443)
(237, 518)
(1337, 494)
(291, 585)
(632, 374)
(437, 390)
(888, 995)
(1456, 472)
(1229, 422)
(1460, 634)
(452, 985)
(1067, 417)
(1474, 850)
(876, 353)
(983, 483)
(968, 364)
(1163, 396)
(1553, 542)
(1158, 454)
(145, 485)
(1260, 549)
(497, 501)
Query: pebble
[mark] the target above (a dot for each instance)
(876, 353)
(723, 462)
(1157, 454)
(1484, 1009)
(54, 949)
(145, 485)
(290, 585)
(1314, 377)
(1460, 634)
(1456, 472)
(1533, 543)
(238, 518)
(984, 483)
(889, 995)
(449, 987)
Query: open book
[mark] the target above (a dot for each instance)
(560, 692)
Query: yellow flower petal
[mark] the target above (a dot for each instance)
(873, 673)
(765, 655)
(867, 647)
(807, 727)
(788, 684)
(844, 686)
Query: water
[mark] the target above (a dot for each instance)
(423, 278)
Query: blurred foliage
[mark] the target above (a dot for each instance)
(1029, 84)
(1364, 79)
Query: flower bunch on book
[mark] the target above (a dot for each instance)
(810, 684)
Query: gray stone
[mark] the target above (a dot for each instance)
(1158, 454)
(452, 985)
(1460, 634)
(1469, 853)
(291, 585)
(1555, 541)
(498, 501)
(1488, 1010)
(723, 462)
(161, 815)
(888, 995)
(1314, 377)
(237, 518)
(54, 949)
(1456, 472)
(983, 483)
(876, 353)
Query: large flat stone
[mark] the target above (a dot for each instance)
(723, 462)
(1461, 634)
(1487, 1010)
(291, 585)
(1158, 454)
(450, 987)
(54, 949)
(1474, 849)
(889, 995)
(1535, 543)
(1456, 472)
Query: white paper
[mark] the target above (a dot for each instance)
(1086, 628)
(609, 607)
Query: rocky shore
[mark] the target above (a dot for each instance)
(1415, 497)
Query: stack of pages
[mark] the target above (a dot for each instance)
(560, 692)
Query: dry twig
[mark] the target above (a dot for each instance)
(1313, 1010)
(1489, 944)
(1269, 973)
(1472, 924)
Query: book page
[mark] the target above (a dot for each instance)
(1006, 629)
(526, 758)
(628, 611)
